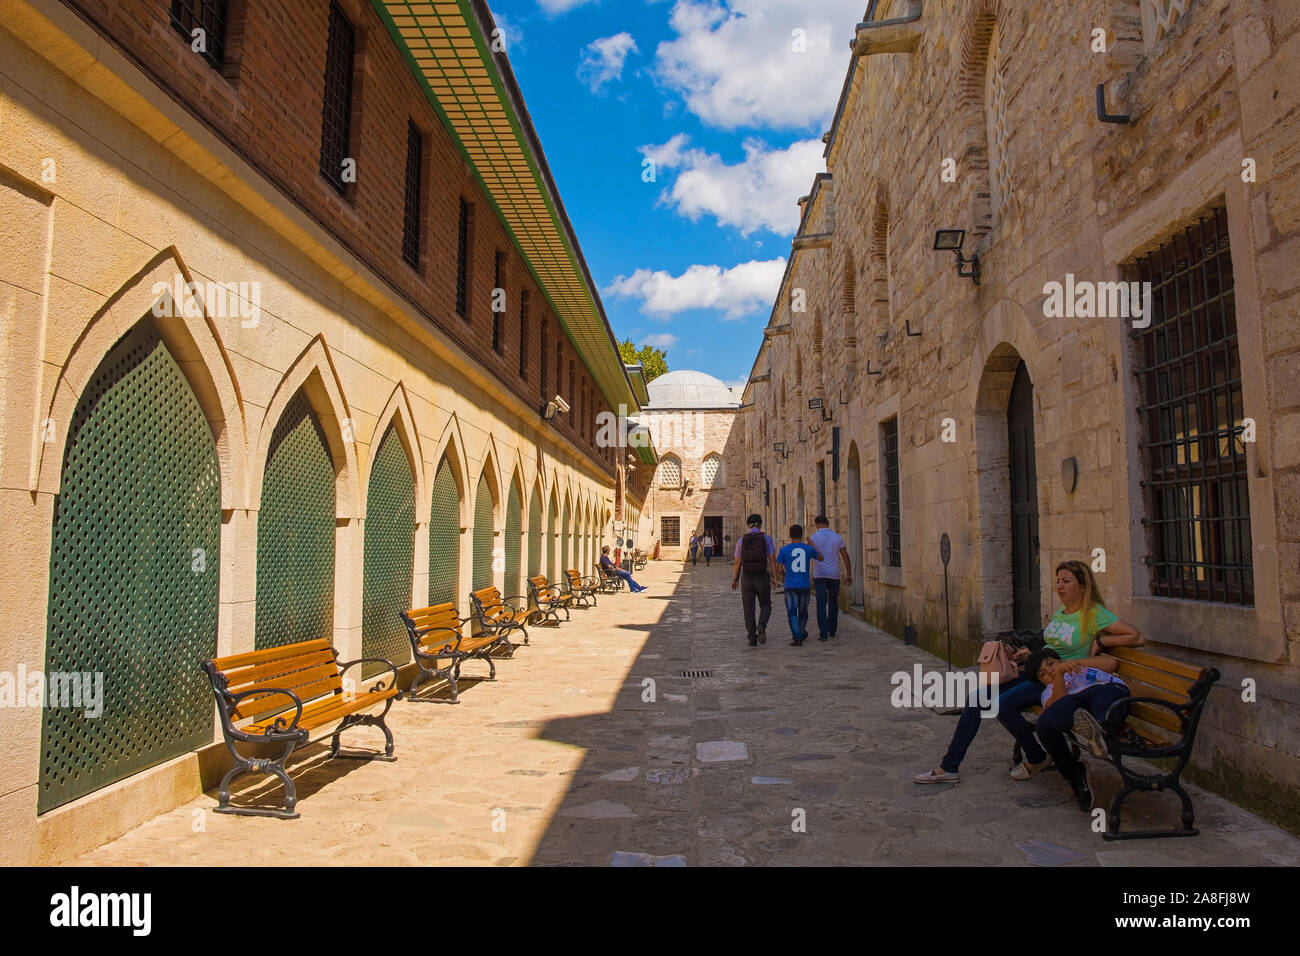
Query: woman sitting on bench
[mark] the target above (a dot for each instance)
(609, 567)
(1075, 633)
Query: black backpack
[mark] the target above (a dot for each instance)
(753, 552)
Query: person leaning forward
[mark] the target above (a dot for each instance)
(754, 573)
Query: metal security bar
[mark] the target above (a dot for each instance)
(389, 555)
(498, 282)
(444, 539)
(208, 16)
(672, 532)
(1189, 374)
(523, 335)
(483, 534)
(336, 114)
(462, 262)
(411, 210)
(893, 511)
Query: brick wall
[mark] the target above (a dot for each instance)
(267, 104)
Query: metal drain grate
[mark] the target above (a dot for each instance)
(697, 673)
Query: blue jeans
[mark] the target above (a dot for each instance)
(1057, 719)
(695, 555)
(628, 578)
(708, 556)
(1014, 695)
(828, 605)
(796, 607)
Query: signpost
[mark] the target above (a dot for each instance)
(945, 555)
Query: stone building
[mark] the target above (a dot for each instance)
(1009, 395)
(284, 304)
(697, 487)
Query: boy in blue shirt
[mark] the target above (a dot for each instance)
(796, 560)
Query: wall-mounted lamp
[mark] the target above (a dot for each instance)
(816, 404)
(951, 240)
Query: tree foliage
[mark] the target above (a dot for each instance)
(652, 360)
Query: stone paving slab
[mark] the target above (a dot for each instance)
(782, 756)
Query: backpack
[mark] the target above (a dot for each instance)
(753, 552)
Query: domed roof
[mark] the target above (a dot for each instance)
(688, 389)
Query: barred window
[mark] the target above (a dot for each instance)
(545, 344)
(998, 127)
(411, 217)
(336, 115)
(893, 543)
(523, 334)
(712, 471)
(462, 262)
(672, 532)
(1191, 410)
(210, 18)
(498, 288)
(670, 472)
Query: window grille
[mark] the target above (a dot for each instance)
(1189, 376)
(210, 16)
(893, 543)
(336, 115)
(670, 473)
(672, 532)
(712, 470)
(462, 262)
(411, 217)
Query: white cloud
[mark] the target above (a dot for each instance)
(660, 340)
(735, 292)
(603, 59)
(735, 63)
(760, 192)
(554, 7)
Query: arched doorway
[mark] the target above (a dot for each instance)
(1027, 611)
(854, 483)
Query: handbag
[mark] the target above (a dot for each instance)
(995, 658)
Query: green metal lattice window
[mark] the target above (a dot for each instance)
(134, 572)
(483, 534)
(512, 543)
(444, 539)
(295, 532)
(389, 555)
(535, 535)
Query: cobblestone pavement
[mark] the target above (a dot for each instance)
(562, 761)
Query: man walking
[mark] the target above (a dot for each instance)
(708, 547)
(827, 575)
(754, 572)
(695, 548)
(796, 561)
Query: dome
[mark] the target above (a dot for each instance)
(687, 389)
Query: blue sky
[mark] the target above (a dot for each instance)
(729, 98)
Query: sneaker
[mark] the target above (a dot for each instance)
(752, 642)
(762, 634)
(1082, 791)
(1088, 731)
(796, 643)
(938, 775)
(1023, 771)
(823, 637)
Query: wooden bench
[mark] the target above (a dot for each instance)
(437, 634)
(279, 696)
(1164, 710)
(497, 617)
(548, 599)
(582, 590)
(610, 583)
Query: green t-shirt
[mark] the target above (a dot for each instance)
(1063, 632)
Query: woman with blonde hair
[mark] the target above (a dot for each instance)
(1075, 633)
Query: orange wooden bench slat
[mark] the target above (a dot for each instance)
(1155, 715)
(291, 679)
(327, 710)
(240, 677)
(262, 704)
(1149, 675)
(273, 653)
(1188, 671)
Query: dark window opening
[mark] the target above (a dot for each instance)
(336, 115)
(462, 262)
(498, 300)
(411, 217)
(893, 543)
(209, 16)
(523, 335)
(1189, 375)
(672, 532)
